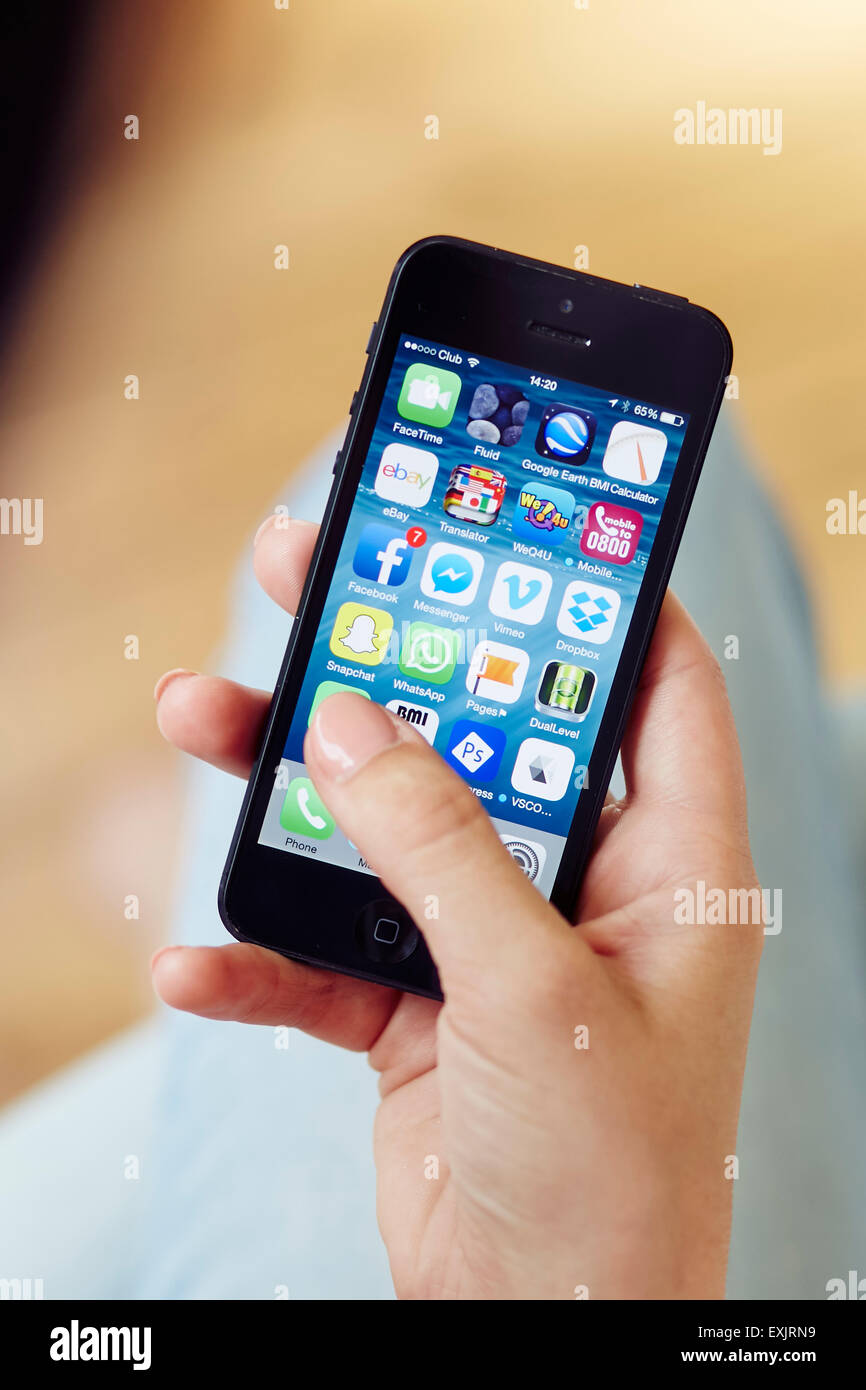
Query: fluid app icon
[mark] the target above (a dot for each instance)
(566, 433)
(475, 750)
(611, 533)
(543, 514)
(430, 653)
(406, 475)
(634, 452)
(588, 612)
(452, 573)
(565, 690)
(520, 592)
(382, 554)
(361, 633)
(303, 812)
(474, 493)
(429, 395)
(497, 414)
(542, 769)
(497, 672)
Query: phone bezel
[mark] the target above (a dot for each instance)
(641, 343)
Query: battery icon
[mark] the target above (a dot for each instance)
(666, 418)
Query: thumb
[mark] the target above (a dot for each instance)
(427, 837)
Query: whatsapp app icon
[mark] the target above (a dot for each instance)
(429, 653)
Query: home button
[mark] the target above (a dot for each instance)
(385, 932)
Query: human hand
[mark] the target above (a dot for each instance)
(513, 1162)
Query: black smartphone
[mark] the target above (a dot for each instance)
(505, 512)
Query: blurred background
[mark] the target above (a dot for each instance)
(306, 127)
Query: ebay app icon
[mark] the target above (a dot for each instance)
(406, 475)
(611, 533)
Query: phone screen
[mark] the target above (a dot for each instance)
(484, 588)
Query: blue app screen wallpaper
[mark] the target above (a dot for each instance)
(485, 586)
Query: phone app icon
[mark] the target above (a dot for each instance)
(382, 554)
(565, 690)
(326, 688)
(429, 395)
(452, 573)
(634, 452)
(611, 533)
(529, 855)
(497, 414)
(543, 514)
(497, 672)
(421, 717)
(542, 769)
(361, 633)
(303, 812)
(588, 612)
(521, 592)
(566, 433)
(429, 652)
(475, 750)
(406, 475)
(475, 493)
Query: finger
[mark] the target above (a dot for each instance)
(283, 549)
(249, 984)
(214, 719)
(681, 745)
(426, 835)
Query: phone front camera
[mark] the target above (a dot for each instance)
(565, 306)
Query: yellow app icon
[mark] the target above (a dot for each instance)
(361, 633)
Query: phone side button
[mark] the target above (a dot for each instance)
(370, 339)
(338, 459)
(385, 932)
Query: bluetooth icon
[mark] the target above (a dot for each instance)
(625, 407)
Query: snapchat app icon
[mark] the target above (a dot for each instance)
(361, 633)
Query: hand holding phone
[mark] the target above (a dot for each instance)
(559, 1128)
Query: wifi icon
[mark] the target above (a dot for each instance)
(473, 361)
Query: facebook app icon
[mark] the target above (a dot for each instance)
(383, 555)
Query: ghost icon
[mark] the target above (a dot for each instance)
(360, 637)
